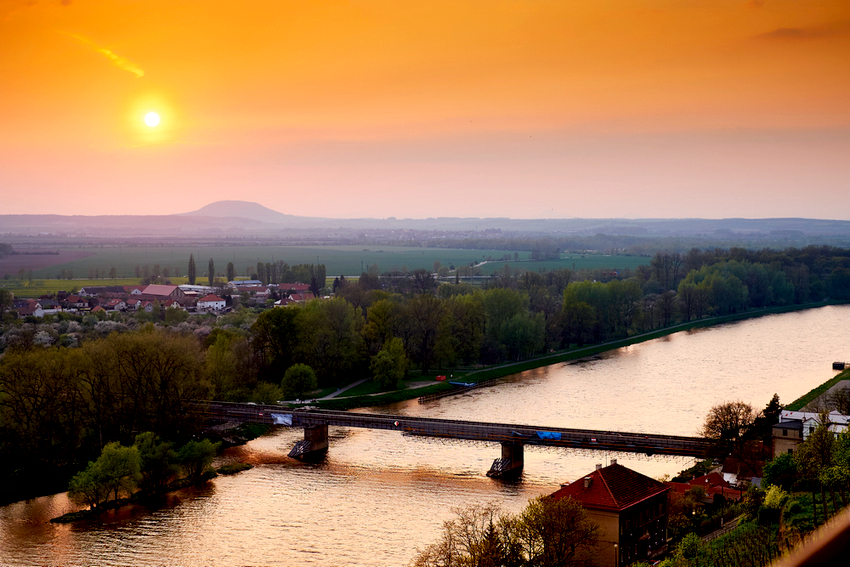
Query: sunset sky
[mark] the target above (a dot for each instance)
(424, 108)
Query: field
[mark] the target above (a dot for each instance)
(347, 260)
(572, 262)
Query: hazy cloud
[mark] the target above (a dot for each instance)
(841, 28)
(117, 60)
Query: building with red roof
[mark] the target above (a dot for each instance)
(630, 508)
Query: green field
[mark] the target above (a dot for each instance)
(571, 262)
(345, 260)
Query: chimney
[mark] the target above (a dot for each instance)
(587, 481)
(613, 461)
(598, 466)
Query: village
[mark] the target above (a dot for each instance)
(146, 298)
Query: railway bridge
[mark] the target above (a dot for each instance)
(512, 437)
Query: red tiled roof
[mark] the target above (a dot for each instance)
(614, 487)
(710, 479)
(210, 297)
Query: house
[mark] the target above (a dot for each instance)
(301, 297)
(211, 302)
(115, 305)
(146, 306)
(133, 303)
(31, 309)
(99, 290)
(714, 485)
(630, 509)
(290, 288)
(134, 289)
(76, 302)
(98, 309)
(795, 426)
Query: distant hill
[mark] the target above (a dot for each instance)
(245, 219)
(240, 209)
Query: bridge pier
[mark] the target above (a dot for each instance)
(314, 446)
(511, 463)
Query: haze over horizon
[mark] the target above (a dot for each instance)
(376, 109)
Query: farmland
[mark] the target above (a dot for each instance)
(347, 260)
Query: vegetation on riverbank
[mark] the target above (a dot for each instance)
(800, 403)
(354, 398)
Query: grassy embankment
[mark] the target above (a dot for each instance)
(805, 399)
(368, 394)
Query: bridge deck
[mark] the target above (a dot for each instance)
(627, 442)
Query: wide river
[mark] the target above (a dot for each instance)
(380, 496)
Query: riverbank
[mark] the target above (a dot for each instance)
(800, 403)
(492, 372)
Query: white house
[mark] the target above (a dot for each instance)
(211, 302)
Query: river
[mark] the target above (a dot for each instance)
(380, 496)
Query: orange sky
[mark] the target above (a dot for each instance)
(418, 108)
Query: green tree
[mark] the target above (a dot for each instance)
(231, 271)
(113, 273)
(276, 335)
(195, 458)
(191, 273)
(781, 471)
(157, 462)
(6, 299)
(298, 380)
(211, 272)
(114, 473)
(390, 364)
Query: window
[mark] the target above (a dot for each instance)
(785, 433)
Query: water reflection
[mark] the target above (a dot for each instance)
(379, 495)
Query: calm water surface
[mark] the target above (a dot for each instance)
(379, 496)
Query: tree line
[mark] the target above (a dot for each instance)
(71, 384)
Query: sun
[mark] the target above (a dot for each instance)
(152, 119)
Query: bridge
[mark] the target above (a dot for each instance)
(512, 437)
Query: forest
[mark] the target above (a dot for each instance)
(71, 383)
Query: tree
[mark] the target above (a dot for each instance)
(191, 273)
(557, 533)
(298, 380)
(6, 298)
(113, 273)
(390, 364)
(158, 462)
(781, 471)
(547, 533)
(211, 272)
(115, 472)
(728, 422)
(231, 271)
(195, 457)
